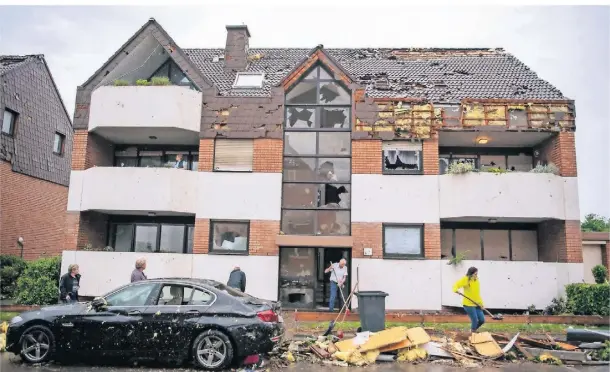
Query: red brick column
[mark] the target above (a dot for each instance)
(206, 155)
(560, 241)
(268, 157)
(561, 151)
(201, 236)
(606, 255)
(367, 235)
(366, 156)
(430, 154)
(262, 237)
(432, 241)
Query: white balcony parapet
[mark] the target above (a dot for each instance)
(508, 195)
(133, 190)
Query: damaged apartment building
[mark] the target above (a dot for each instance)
(412, 164)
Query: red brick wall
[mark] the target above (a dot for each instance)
(366, 156)
(606, 255)
(206, 155)
(561, 151)
(430, 154)
(432, 240)
(268, 155)
(33, 209)
(261, 240)
(82, 228)
(560, 241)
(370, 235)
(90, 150)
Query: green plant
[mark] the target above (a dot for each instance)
(11, 268)
(600, 273)
(595, 223)
(604, 354)
(589, 299)
(549, 168)
(160, 80)
(39, 282)
(459, 257)
(120, 83)
(460, 168)
(495, 170)
(142, 82)
(558, 306)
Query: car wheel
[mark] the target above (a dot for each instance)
(37, 344)
(212, 350)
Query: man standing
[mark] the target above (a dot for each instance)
(138, 273)
(237, 279)
(69, 285)
(338, 274)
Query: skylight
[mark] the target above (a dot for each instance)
(249, 80)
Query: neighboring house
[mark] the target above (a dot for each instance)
(35, 152)
(293, 158)
(595, 251)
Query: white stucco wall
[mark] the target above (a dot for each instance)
(133, 189)
(410, 284)
(395, 198)
(145, 106)
(245, 196)
(512, 195)
(512, 285)
(104, 271)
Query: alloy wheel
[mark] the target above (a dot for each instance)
(211, 351)
(35, 346)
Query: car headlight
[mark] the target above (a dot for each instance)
(16, 320)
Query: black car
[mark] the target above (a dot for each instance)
(174, 318)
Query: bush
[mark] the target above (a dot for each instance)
(460, 168)
(589, 299)
(600, 273)
(160, 80)
(558, 306)
(142, 82)
(549, 168)
(39, 282)
(120, 83)
(10, 269)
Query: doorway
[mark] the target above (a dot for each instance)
(302, 281)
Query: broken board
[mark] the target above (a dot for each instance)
(418, 336)
(401, 345)
(376, 340)
(485, 345)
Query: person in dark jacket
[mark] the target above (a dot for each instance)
(69, 285)
(237, 279)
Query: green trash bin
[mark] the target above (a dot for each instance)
(371, 309)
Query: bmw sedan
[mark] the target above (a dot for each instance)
(175, 318)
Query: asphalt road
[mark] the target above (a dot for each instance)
(11, 363)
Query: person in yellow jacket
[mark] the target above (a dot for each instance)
(470, 284)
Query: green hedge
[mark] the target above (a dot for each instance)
(11, 268)
(589, 299)
(39, 282)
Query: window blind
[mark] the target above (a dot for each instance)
(234, 155)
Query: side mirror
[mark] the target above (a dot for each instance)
(99, 303)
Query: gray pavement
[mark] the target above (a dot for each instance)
(11, 363)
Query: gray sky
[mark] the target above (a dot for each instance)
(567, 46)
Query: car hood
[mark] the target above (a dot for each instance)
(54, 311)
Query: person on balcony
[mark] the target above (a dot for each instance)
(180, 163)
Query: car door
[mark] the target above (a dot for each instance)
(118, 328)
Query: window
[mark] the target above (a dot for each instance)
(229, 237)
(171, 70)
(517, 118)
(58, 143)
(401, 241)
(233, 155)
(155, 157)
(249, 80)
(451, 115)
(8, 122)
(177, 295)
(151, 234)
(135, 295)
(198, 297)
(402, 157)
(317, 163)
(511, 159)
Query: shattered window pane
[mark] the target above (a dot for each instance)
(146, 238)
(337, 118)
(301, 195)
(334, 170)
(299, 169)
(333, 222)
(517, 118)
(402, 241)
(334, 196)
(333, 93)
(443, 164)
(300, 143)
(298, 222)
(493, 161)
(520, 163)
(334, 143)
(472, 159)
(300, 118)
(303, 92)
(229, 236)
(401, 160)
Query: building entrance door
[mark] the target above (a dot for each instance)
(302, 281)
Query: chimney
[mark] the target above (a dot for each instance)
(236, 50)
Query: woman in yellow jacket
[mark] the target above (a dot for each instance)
(470, 284)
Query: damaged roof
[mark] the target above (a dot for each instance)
(433, 74)
(8, 63)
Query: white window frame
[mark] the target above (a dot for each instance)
(420, 227)
(240, 74)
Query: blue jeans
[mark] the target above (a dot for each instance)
(476, 315)
(334, 288)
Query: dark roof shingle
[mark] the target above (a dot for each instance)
(7, 63)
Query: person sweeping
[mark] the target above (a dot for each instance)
(473, 304)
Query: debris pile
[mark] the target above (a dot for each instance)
(3, 329)
(416, 345)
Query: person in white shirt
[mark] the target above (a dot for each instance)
(338, 275)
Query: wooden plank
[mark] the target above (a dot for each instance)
(536, 343)
(522, 350)
(319, 352)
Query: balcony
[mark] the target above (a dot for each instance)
(146, 114)
(133, 190)
(517, 195)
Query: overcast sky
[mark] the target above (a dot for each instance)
(567, 46)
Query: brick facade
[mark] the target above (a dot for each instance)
(370, 235)
(432, 241)
(91, 150)
(31, 208)
(561, 151)
(206, 155)
(261, 240)
(268, 155)
(430, 155)
(201, 237)
(366, 156)
(606, 255)
(560, 241)
(82, 228)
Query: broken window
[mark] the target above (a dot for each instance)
(229, 237)
(233, 155)
(402, 157)
(334, 118)
(517, 118)
(246, 80)
(301, 117)
(330, 143)
(300, 143)
(492, 161)
(58, 143)
(443, 163)
(520, 163)
(403, 241)
(333, 93)
(298, 222)
(451, 114)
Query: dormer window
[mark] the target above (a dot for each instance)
(249, 80)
